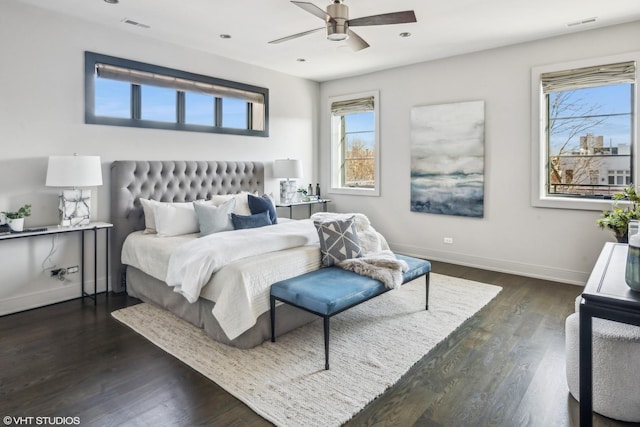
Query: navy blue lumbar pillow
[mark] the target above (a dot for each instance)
(261, 204)
(250, 221)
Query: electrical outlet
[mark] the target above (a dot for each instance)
(448, 240)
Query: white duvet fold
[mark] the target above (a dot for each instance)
(192, 264)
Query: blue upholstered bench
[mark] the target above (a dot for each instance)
(332, 290)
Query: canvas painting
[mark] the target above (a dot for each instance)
(447, 159)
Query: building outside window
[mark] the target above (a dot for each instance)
(354, 144)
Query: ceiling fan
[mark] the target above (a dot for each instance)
(338, 22)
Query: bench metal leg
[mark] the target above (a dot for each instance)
(326, 343)
(273, 319)
(426, 282)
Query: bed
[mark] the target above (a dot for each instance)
(187, 181)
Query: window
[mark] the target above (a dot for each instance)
(120, 92)
(355, 156)
(620, 178)
(585, 126)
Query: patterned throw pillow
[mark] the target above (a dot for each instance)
(338, 240)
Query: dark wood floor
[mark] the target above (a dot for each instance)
(505, 367)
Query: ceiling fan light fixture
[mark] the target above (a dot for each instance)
(337, 37)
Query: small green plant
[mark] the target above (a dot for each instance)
(617, 219)
(23, 212)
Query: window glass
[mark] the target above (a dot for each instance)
(359, 163)
(199, 109)
(158, 104)
(113, 98)
(234, 113)
(589, 134)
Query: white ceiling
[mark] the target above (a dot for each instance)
(444, 28)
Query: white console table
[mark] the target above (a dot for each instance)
(82, 229)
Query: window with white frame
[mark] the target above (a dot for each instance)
(122, 92)
(355, 153)
(584, 131)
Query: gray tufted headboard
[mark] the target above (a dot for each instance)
(169, 181)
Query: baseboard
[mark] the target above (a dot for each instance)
(529, 270)
(45, 297)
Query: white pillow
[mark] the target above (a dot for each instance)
(149, 213)
(175, 219)
(219, 199)
(242, 202)
(149, 219)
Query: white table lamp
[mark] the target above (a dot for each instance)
(74, 172)
(289, 169)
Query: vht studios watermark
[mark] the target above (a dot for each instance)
(41, 421)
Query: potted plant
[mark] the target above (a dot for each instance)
(617, 219)
(15, 220)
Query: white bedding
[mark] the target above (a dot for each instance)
(192, 264)
(240, 285)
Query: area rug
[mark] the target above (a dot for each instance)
(372, 346)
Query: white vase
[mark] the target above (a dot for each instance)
(16, 224)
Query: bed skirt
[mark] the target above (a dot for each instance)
(154, 291)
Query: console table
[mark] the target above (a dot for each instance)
(311, 203)
(605, 296)
(82, 229)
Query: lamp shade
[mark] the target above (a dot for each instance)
(287, 168)
(74, 171)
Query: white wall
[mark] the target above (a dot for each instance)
(513, 236)
(42, 114)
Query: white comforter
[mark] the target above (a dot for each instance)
(192, 264)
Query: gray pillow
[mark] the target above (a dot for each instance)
(214, 219)
(338, 240)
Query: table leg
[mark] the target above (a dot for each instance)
(106, 263)
(95, 266)
(586, 368)
(82, 262)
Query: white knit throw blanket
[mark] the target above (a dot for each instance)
(377, 260)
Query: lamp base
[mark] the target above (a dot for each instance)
(287, 190)
(75, 208)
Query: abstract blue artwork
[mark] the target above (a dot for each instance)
(447, 159)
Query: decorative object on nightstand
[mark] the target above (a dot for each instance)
(291, 170)
(15, 220)
(74, 171)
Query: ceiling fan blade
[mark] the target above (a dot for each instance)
(313, 9)
(356, 42)
(385, 19)
(295, 36)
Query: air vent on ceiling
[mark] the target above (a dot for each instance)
(135, 23)
(582, 22)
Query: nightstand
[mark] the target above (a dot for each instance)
(82, 229)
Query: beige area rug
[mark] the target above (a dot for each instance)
(372, 346)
